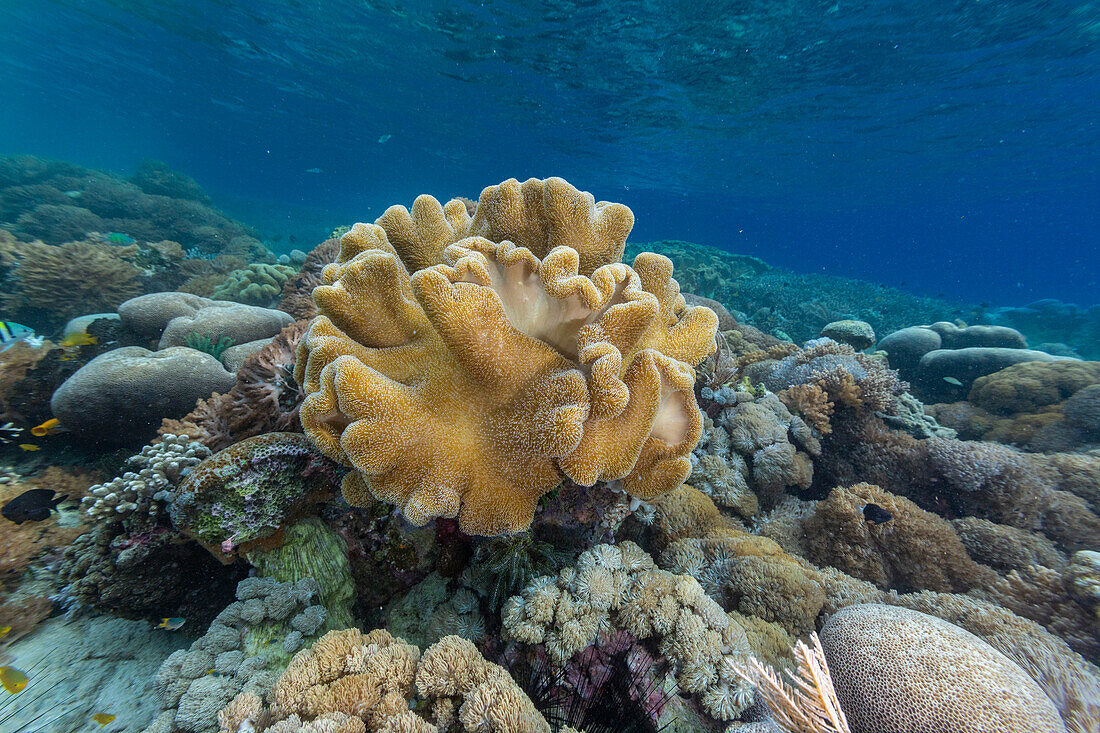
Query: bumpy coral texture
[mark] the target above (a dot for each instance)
(246, 493)
(374, 677)
(518, 349)
(900, 670)
(619, 587)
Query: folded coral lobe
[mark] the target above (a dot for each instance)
(461, 365)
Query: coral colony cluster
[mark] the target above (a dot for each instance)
(465, 469)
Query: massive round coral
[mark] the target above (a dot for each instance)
(518, 349)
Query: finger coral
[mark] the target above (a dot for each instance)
(619, 587)
(244, 650)
(349, 676)
(517, 350)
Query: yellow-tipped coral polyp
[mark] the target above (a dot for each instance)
(461, 365)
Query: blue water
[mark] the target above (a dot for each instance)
(945, 147)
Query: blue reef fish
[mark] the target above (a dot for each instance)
(33, 506)
(314, 170)
(9, 431)
(120, 238)
(952, 380)
(875, 514)
(384, 138)
(171, 623)
(13, 333)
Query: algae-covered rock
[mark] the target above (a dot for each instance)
(123, 395)
(311, 550)
(857, 334)
(248, 492)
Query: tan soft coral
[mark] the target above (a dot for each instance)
(366, 682)
(501, 363)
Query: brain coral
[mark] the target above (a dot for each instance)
(518, 349)
(901, 670)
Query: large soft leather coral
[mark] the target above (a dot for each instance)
(518, 349)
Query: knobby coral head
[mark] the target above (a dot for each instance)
(518, 349)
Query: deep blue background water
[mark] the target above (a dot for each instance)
(946, 147)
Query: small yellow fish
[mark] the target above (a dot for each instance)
(51, 426)
(171, 623)
(78, 339)
(30, 446)
(4, 631)
(103, 718)
(12, 679)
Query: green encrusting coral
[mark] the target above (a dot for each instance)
(243, 496)
(311, 550)
(257, 284)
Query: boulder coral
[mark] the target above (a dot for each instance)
(501, 352)
(901, 670)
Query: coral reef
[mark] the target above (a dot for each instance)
(50, 284)
(943, 360)
(900, 670)
(298, 289)
(258, 284)
(266, 398)
(1051, 321)
(619, 587)
(1039, 406)
(365, 682)
(60, 202)
(244, 650)
(243, 496)
(499, 440)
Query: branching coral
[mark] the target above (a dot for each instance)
(147, 488)
(501, 363)
(370, 678)
(619, 587)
